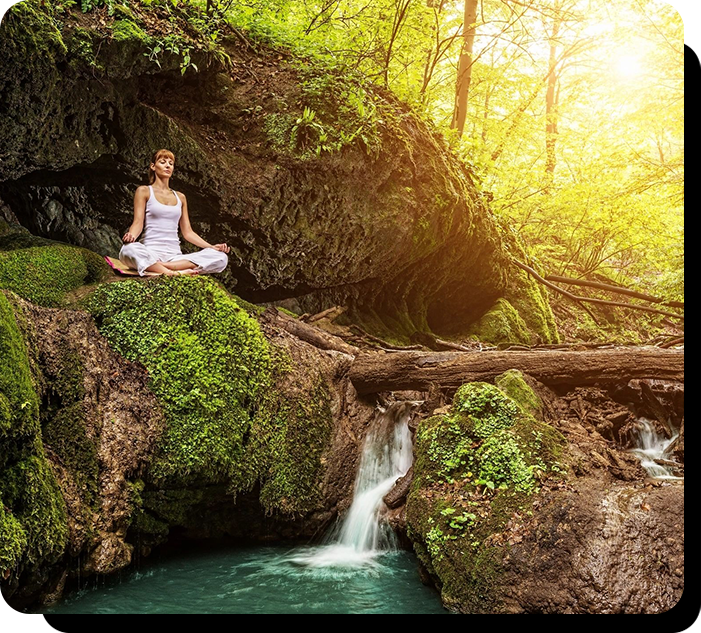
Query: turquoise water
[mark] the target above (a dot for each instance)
(262, 579)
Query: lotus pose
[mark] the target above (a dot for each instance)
(158, 210)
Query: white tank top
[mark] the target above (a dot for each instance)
(161, 223)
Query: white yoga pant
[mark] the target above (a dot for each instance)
(140, 257)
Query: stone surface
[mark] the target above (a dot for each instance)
(396, 229)
(595, 536)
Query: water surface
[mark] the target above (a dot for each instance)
(358, 568)
(261, 579)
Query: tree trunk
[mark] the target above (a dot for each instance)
(401, 371)
(462, 85)
(551, 106)
(309, 333)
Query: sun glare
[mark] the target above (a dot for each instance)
(628, 67)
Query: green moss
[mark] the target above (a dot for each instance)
(30, 490)
(513, 385)
(13, 539)
(288, 312)
(32, 510)
(215, 374)
(288, 440)
(37, 24)
(145, 523)
(444, 449)
(208, 363)
(528, 297)
(173, 507)
(530, 300)
(501, 324)
(502, 463)
(489, 408)
(123, 30)
(475, 467)
(44, 275)
(19, 406)
(65, 435)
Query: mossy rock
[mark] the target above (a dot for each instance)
(475, 467)
(13, 539)
(501, 324)
(19, 405)
(45, 275)
(527, 296)
(65, 435)
(515, 387)
(33, 522)
(14, 236)
(208, 363)
(128, 30)
(488, 407)
(215, 375)
(31, 491)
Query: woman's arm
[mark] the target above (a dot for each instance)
(192, 237)
(137, 225)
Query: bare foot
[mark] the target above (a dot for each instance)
(177, 273)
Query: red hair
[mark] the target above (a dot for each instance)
(159, 154)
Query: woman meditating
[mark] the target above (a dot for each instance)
(158, 210)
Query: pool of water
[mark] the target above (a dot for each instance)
(262, 579)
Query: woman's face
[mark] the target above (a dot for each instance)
(163, 167)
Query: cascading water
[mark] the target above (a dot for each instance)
(650, 447)
(362, 535)
(357, 569)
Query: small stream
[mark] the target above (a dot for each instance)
(357, 568)
(651, 446)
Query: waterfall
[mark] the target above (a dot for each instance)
(652, 446)
(362, 535)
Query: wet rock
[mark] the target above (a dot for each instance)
(397, 495)
(599, 536)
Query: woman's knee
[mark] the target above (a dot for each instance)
(221, 261)
(129, 252)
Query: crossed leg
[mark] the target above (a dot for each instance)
(180, 264)
(179, 267)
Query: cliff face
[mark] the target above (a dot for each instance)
(328, 189)
(118, 431)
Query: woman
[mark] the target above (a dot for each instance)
(158, 210)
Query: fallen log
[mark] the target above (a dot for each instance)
(372, 372)
(329, 314)
(309, 333)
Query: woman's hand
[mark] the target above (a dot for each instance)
(221, 247)
(128, 238)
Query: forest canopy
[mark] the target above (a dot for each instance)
(569, 113)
